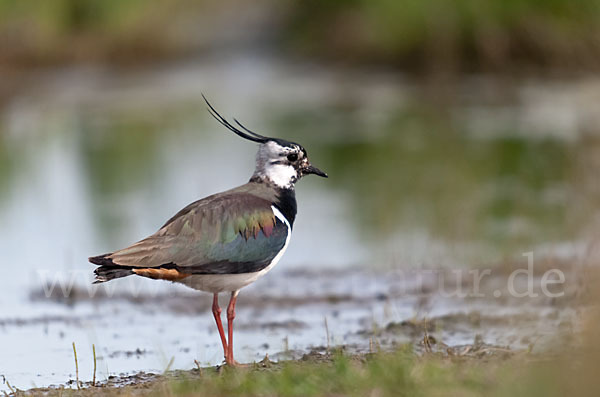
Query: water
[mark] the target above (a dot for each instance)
(94, 159)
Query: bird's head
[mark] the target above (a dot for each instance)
(278, 161)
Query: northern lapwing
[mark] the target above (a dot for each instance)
(226, 241)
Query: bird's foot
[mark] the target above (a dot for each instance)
(233, 364)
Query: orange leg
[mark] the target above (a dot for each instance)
(230, 316)
(217, 313)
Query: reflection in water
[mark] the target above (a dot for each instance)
(118, 159)
(507, 194)
(128, 153)
(105, 160)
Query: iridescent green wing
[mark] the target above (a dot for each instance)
(228, 233)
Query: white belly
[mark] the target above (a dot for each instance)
(216, 283)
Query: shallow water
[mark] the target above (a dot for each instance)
(284, 316)
(94, 159)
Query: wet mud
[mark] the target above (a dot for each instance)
(292, 316)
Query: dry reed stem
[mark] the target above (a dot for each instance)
(327, 333)
(76, 367)
(94, 377)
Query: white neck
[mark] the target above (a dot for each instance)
(271, 166)
(281, 175)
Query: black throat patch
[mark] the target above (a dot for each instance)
(285, 199)
(286, 203)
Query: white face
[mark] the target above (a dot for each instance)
(279, 163)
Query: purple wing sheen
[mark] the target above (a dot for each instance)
(227, 233)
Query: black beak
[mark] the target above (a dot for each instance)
(310, 169)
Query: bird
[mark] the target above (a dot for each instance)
(226, 241)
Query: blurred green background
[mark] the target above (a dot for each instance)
(469, 35)
(455, 133)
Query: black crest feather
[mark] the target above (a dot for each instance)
(246, 133)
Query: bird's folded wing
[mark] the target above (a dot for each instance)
(219, 235)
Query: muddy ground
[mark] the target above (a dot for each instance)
(290, 316)
(142, 383)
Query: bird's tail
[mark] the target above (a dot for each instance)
(108, 270)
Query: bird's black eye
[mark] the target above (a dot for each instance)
(292, 157)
